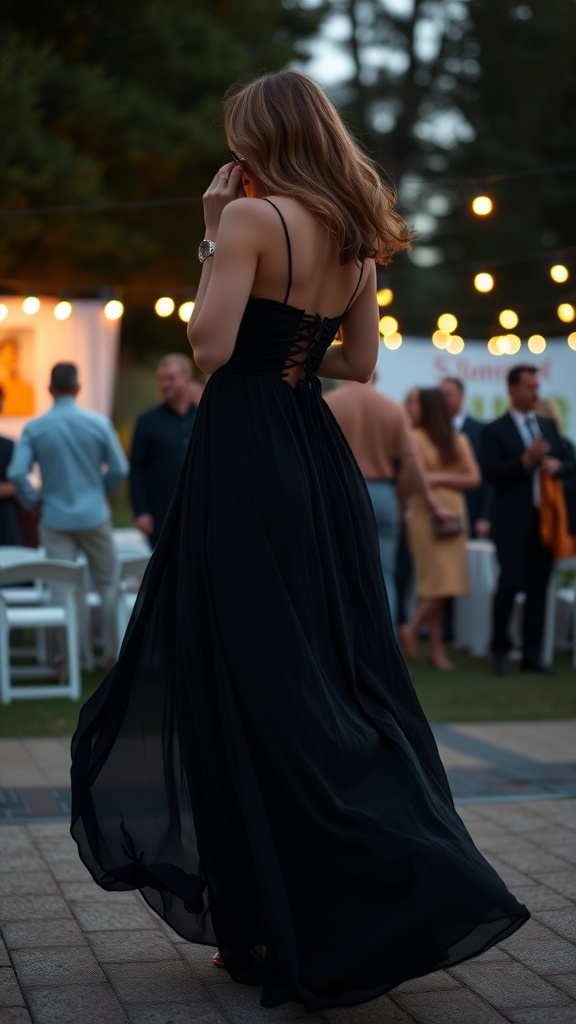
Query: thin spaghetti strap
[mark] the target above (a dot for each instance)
(288, 290)
(353, 296)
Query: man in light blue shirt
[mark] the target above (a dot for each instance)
(81, 463)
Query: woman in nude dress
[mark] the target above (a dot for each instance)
(441, 569)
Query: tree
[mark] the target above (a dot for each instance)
(446, 93)
(103, 104)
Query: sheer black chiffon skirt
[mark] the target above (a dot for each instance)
(257, 764)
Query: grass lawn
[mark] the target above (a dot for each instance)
(469, 694)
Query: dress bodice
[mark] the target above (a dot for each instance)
(279, 340)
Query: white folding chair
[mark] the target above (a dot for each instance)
(132, 568)
(68, 577)
(130, 541)
(34, 593)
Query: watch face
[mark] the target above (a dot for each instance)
(206, 249)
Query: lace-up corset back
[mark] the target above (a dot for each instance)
(279, 340)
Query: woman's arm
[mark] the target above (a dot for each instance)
(355, 358)
(466, 479)
(236, 225)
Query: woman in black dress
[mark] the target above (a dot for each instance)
(258, 764)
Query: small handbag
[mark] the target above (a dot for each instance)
(449, 526)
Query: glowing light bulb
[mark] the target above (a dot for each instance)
(559, 273)
(447, 322)
(514, 344)
(440, 339)
(164, 306)
(508, 318)
(384, 296)
(113, 310)
(566, 312)
(393, 341)
(483, 282)
(31, 305)
(62, 310)
(536, 344)
(455, 345)
(3, 311)
(185, 311)
(572, 340)
(494, 346)
(482, 205)
(388, 325)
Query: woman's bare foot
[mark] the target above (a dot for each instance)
(408, 641)
(440, 661)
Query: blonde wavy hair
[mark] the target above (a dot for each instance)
(285, 126)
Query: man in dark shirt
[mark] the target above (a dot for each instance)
(479, 500)
(160, 441)
(9, 528)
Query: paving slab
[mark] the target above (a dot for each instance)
(74, 954)
(64, 965)
(75, 1004)
(508, 985)
(174, 1013)
(450, 1007)
(15, 1015)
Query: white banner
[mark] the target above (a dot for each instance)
(30, 345)
(417, 363)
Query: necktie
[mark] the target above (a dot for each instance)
(534, 430)
(532, 425)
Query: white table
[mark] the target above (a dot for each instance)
(473, 613)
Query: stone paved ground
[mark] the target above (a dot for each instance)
(73, 954)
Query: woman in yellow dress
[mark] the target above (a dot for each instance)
(441, 570)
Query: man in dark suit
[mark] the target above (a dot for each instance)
(520, 448)
(160, 442)
(478, 500)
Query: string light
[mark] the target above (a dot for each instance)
(447, 322)
(31, 305)
(388, 326)
(113, 310)
(185, 311)
(507, 344)
(559, 273)
(393, 341)
(455, 345)
(572, 340)
(566, 312)
(536, 344)
(513, 344)
(484, 282)
(164, 306)
(482, 206)
(440, 339)
(508, 318)
(494, 346)
(384, 296)
(3, 311)
(62, 310)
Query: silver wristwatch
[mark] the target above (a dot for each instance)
(206, 249)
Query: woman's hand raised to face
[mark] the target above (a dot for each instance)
(224, 189)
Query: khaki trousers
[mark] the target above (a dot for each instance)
(98, 547)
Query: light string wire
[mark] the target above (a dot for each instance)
(139, 204)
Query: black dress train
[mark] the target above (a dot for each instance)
(257, 764)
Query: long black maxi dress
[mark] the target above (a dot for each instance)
(257, 764)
